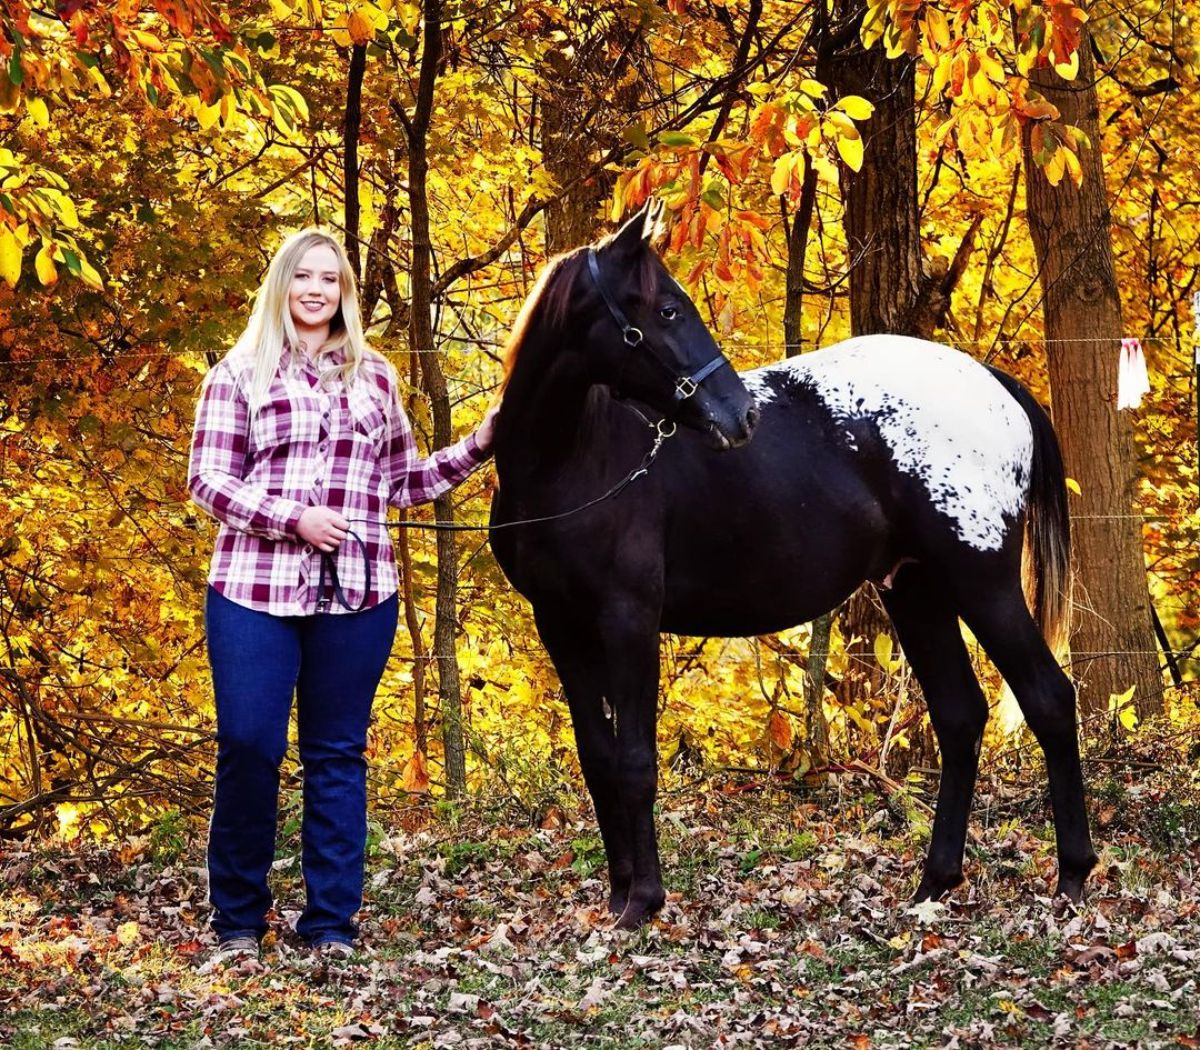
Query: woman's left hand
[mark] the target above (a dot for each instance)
(487, 429)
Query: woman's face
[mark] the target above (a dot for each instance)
(315, 291)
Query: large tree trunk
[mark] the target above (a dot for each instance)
(434, 381)
(1112, 641)
(582, 116)
(883, 239)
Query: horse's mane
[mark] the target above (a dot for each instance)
(554, 295)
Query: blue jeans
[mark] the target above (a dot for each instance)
(333, 664)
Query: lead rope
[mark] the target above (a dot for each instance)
(329, 558)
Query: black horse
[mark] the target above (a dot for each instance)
(883, 458)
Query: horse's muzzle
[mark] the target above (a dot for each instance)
(724, 437)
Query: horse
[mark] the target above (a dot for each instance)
(882, 458)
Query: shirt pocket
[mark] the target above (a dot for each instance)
(367, 418)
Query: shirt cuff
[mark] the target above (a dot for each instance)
(474, 452)
(293, 519)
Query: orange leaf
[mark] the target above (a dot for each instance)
(779, 727)
(416, 776)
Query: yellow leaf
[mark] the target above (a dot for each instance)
(282, 94)
(1069, 69)
(43, 265)
(1122, 704)
(781, 177)
(147, 41)
(10, 257)
(856, 107)
(280, 9)
(1073, 485)
(937, 27)
(206, 116)
(883, 649)
(873, 25)
(66, 208)
(1073, 168)
(88, 274)
(1057, 166)
(36, 108)
(128, 932)
(851, 149)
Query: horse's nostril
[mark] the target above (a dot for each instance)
(751, 418)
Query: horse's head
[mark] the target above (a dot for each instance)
(646, 340)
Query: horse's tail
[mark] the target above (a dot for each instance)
(1047, 523)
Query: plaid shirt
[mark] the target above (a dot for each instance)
(349, 450)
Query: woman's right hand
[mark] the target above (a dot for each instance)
(323, 528)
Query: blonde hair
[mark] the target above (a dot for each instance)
(271, 325)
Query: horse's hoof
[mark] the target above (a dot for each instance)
(1071, 879)
(640, 910)
(934, 887)
(617, 903)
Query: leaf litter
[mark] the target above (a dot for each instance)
(786, 924)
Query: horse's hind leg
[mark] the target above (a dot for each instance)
(927, 627)
(1001, 621)
(578, 658)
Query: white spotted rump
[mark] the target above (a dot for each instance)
(946, 418)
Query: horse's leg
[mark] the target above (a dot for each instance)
(576, 653)
(927, 627)
(629, 632)
(1006, 630)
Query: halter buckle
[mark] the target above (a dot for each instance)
(684, 388)
(632, 336)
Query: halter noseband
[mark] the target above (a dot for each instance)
(685, 385)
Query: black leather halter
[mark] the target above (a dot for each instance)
(685, 385)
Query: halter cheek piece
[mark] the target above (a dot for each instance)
(685, 385)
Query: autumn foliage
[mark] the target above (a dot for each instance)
(152, 155)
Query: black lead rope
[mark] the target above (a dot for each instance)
(329, 561)
(329, 558)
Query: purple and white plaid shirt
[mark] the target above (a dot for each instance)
(349, 450)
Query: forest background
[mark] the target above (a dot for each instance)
(1014, 178)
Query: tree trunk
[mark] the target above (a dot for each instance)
(816, 729)
(350, 130)
(1112, 641)
(883, 239)
(581, 117)
(434, 381)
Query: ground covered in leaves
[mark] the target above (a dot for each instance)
(787, 925)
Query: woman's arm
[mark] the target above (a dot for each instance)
(413, 480)
(218, 457)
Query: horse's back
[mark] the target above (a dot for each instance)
(959, 445)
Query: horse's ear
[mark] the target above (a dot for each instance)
(655, 223)
(638, 229)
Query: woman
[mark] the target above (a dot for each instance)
(300, 438)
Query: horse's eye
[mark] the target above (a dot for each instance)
(668, 313)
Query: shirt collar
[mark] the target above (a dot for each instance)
(327, 357)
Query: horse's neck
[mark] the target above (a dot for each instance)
(553, 420)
